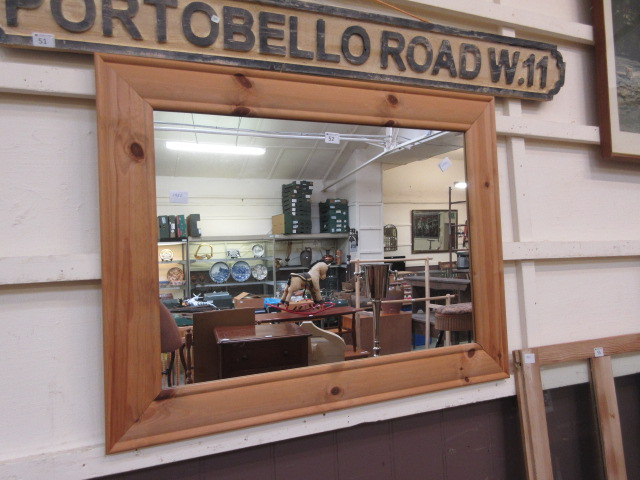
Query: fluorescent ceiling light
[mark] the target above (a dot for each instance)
(213, 148)
(460, 185)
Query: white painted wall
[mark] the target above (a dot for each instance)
(422, 186)
(571, 247)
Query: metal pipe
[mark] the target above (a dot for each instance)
(403, 146)
(378, 140)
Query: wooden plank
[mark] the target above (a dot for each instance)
(483, 200)
(131, 328)
(299, 37)
(604, 390)
(533, 419)
(271, 397)
(583, 350)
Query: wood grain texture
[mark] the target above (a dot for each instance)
(604, 392)
(139, 413)
(583, 350)
(130, 314)
(533, 420)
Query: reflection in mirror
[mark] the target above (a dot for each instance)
(245, 203)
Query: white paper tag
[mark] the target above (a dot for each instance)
(529, 358)
(178, 196)
(331, 137)
(445, 164)
(43, 40)
(598, 352)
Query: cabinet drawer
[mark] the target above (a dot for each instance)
(265, 355)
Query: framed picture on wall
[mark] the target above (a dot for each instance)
(617, 42)
(431, 231)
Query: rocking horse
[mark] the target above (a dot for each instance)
(309, 281)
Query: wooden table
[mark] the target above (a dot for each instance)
(250, 349)
(459, 286)
(286, 317)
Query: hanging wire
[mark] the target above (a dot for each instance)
(402, 11)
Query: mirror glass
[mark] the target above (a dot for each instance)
(231, 233)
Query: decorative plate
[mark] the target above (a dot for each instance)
(175, 276)
(166, 255)
(241, 271)
(259, 271)
(233, 253)
(258, 251)
(219, 272)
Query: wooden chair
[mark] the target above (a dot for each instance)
(205, 348)
(324, 346)
(171, 341)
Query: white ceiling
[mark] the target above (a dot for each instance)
(296, 158)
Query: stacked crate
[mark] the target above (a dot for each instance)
(334, 216)
(296, 206)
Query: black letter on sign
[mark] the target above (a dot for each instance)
(125, 16)
(161, 16)
(85, 24)
(475, 51)
(320, 44)
(366, 45)
(411, 55)
(387, 50)
(186, 24)
(265, 33)
(293, 41)
(244, 29)
(496, 68)
(14, 5)
(445, 60)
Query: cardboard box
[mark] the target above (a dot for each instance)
(395, 331)
(277, 224)
(247, 300)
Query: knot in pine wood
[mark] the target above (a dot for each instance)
(136, 151)
(243, 80)
(241, 111)
(336, 391)
(393, 100)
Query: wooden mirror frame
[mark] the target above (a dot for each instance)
(139, 412)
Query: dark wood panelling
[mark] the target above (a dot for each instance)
(476, 441)
(575, 449)
(628, 392)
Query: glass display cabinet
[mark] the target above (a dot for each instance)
(173, 269)
(232, 264)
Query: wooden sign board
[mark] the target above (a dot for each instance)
(290, 36)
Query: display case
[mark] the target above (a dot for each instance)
(232, 264)
(173, 269)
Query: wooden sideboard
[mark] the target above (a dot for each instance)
(251, 349)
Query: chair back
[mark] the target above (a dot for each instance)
(324, 346)
(170, 338)
(205, 348)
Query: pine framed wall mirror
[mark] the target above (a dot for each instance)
(139, 412)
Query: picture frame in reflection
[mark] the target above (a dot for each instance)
(431, 231)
